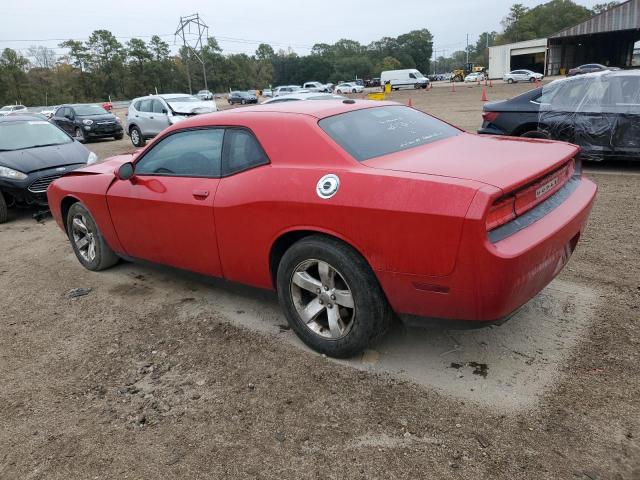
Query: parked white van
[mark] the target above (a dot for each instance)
(410, 78)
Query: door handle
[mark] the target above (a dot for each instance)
(151, 118)
(201, 194)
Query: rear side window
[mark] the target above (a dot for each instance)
(374, 132)
(145, 106)
(241, 152)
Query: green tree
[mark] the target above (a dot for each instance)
(13, 71)
(603, 7)
(419, 45)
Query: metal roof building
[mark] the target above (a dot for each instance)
(608, 38)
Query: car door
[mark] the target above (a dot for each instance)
(626, 132)
(164, 213)
(63, 120)
(158, 117)
(237, 207)
(142, 119)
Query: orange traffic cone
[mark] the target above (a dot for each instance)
(484, 94)
(485, 82)
(490, 83)
(453, 87)
(430, 86)
(410, 103)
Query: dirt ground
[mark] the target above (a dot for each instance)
(162, 374)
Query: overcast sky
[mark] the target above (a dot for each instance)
(240, 25)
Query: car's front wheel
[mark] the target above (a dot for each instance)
(79, 135)
(510, 81)
(136, 137)
(532, 79)
(331, 297)
(87, 241)
(4, 214)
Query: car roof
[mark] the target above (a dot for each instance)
(23, 117)
(169, 96)
(306, 95)
(318, 108)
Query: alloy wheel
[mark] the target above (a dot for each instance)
(83, 238)
(135, 137)
(323, 299)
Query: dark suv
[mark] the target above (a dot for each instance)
(87, 122)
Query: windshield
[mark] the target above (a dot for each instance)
(418, 75)
(183, 99)
(86, 110)
(20, 135)
(373, 132)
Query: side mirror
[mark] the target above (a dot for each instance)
(164, 110)
(126, 171)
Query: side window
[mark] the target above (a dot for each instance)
(192, 153)
(145, 106)
(241, 152)
(136, 105)
(411, 75)
(156, 106)
(570, 95)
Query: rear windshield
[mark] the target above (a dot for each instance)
(374, 132)
(34, 133)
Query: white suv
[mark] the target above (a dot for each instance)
(148, 116)
(12, 108)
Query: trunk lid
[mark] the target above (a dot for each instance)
(505, 163)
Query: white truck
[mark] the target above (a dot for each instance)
(316, 87)
(409, 78)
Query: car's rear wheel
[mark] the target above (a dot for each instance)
(331, 297)
(243, 102)
(79, 135)
(88, 244)
(136, 137)
(510, 81)
(4, 213)
(118, 137)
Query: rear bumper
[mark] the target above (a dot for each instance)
(493, 280)
(491, 130)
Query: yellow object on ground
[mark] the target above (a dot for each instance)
(387, 88)
(376, 96)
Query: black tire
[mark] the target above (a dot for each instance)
(339, 92)
(79, 135)
(243, 102)
(510, 81)
(104, 256)
(417, 86)
(136, 137)
(532, 79)
(536, 134)
(372, 314)
(354, 91)
(118, 137)
(4, 213)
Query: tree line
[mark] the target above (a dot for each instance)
(102, 67)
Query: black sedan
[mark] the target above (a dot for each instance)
(87, 122)
(242, 98)
(33, 153)
(600, 112)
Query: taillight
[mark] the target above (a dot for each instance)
(490, 116)
(501, 212)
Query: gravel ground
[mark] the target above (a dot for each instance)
(149, 375)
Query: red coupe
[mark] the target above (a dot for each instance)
(351, 210)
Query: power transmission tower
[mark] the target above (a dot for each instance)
(192, 30)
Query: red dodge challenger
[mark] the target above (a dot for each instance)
(351, 210)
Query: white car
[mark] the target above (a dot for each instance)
(522, 76)
(304, 96)
(49, 111)
(349, 88)
(316, 87)
(204, 95)
(286, 90)
(12, 108)
(267, 92)
(148, 116)
(474, 77)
